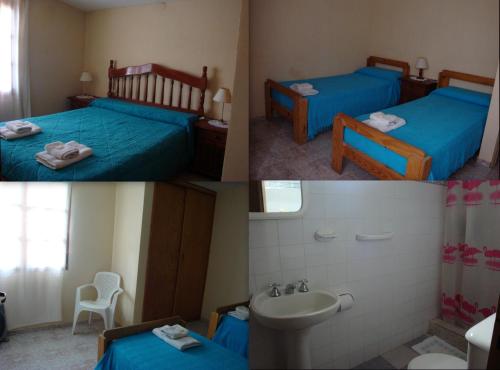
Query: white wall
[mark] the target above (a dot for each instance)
(91, 239)
(395, 282)
(489, 146)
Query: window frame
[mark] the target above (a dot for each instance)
(284, 215)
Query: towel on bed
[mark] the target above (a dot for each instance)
(385, 122)
(181, 344)
(304, 89)
(8, 134)
(59, 150)
(53, 163)
(19, 127)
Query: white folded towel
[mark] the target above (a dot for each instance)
(238, 315)
(181, 344)
(19, 127)
(304, 89)
(55, 164)
(174, 331)
(385, 122)
(62, 151)
(8, 134)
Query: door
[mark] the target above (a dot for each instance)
(195, 247)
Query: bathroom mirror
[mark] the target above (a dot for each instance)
(276, 199)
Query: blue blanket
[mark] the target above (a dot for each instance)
(447, 125)
(130, 142)
(232, 334)
(146, 351)
(366, 90)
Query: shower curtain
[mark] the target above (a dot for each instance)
(471, 252)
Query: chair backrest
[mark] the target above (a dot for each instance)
(106, 283)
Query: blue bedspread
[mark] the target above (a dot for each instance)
(130, 142)
(447, 125)
(146, 351)
(232, 334)
(366, 90)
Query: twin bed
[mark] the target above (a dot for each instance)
(136, 347)
(443, 130)
(142, 131)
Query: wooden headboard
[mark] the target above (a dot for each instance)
(373, 61)
(446, 75)
(155, 85)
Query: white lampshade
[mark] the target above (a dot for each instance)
(223, 96)
(422, 63)
(86, 77)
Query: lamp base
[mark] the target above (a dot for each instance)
(217, 123)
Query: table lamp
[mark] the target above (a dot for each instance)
(421, 65)
(223, 96)
(85, 78)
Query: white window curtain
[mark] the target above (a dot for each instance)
(14, 68)
(33, 250)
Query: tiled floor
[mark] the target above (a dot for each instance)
(274, 155)
(398, 358)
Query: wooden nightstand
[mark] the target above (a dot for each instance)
(210, 149)
(77, 102)
(415, 89)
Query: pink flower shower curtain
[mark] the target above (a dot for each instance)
(471, 252)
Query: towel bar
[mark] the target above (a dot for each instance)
(367, 237)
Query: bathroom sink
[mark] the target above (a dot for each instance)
(295, 311)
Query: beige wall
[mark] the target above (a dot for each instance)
(182, 34)
(489, 147)
(56, 40)
(293, 39)
(91, 238)
(129, 207)
(459, 35)
(227, 275)
(236, 158)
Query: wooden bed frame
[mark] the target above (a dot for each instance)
(298, 114)
(108, 336)
(132, 84)
(419, 164)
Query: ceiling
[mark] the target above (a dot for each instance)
(89, 5)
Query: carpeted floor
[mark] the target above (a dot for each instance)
(55, 348)
(274, 156)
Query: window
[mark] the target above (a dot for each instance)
(276, 199)
(34, 225)
(6, 48)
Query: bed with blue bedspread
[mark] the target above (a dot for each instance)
(129, 141)
(366, 90)
(445, 128)
(146, 351)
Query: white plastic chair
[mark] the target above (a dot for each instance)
(108, 289)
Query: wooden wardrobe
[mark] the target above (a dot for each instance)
(181, 231)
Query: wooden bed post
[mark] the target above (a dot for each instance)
(300, 120)
(338, 145)
(110, 82)
(268, 98)
(201, 109)
(418, 168)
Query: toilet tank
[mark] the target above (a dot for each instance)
(479, 342)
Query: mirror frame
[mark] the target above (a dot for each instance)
(283, 215)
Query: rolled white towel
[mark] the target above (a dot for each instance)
(387, 119)
(53, 163)
(302, 86)
(63, 151)
(307, 90)
(181, 344)
(174, 331)
(8, 134)
(19, 127)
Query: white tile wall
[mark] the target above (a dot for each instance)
(395, 282)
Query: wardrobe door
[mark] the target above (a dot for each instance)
(164, 248)
(195, 247)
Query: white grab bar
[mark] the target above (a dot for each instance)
(367, 237)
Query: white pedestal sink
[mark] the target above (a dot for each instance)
(295, 314)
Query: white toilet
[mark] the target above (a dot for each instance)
(479, 340)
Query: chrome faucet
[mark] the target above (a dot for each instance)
(303, 288)
(275, 292)
(290, 289)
